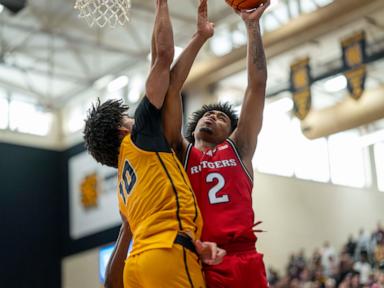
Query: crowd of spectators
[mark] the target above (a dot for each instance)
(360, 264)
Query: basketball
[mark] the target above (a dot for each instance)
(245, 4)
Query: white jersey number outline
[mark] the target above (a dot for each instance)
(213, 199)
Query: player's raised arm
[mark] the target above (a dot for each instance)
(114, 271)
(158, 79)
(250, 121)
(172, 110)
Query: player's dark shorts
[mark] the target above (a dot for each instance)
(239, 269)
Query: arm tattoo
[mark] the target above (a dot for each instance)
(258, 55)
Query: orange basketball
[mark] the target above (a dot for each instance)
(245, 4)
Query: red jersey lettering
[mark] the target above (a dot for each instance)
(223, 189)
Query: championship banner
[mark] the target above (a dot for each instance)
(93, 200)
(354, 56)
(300, 79)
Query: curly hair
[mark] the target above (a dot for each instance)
(101, 132)
(197, 115)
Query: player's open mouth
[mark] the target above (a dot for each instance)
(206, 129)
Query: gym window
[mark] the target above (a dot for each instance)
(4, 108)
(348, 159)
(379, 160)
(29, 118)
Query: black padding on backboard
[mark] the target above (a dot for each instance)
(14, 5)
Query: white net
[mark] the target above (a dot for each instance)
(103, 12)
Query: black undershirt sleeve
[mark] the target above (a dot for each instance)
(147, 132)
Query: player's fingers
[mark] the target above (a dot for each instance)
(220, 256)
(199, 246)
(264, 7)
(260, 10)
(209, 262)
(202, 6)
(205, 11)
(221, 253)
(237, 11)
(213, 247)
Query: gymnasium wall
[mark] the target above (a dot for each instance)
(35, 216)
(69, 245)
(297, 214)
(303, 214)
(81, 270)
(30, 216)
(51, 141)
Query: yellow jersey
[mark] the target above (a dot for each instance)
(155, 196)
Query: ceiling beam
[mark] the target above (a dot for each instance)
(76, 40)
(23, 90)
(47, 73)
(297, 32)
(148, 7)
(344, 115)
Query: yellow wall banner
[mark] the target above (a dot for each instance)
(301, 87)
(93, 205)
(354, 55)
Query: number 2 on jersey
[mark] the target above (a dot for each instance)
(213, 198)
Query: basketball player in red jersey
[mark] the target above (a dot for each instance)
(209, 252)
(218, 161)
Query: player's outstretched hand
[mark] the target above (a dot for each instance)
(205, 28)
(209, 252)
(254, 14)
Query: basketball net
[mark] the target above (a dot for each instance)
(103, 12)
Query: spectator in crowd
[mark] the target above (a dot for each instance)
(305, 278)
(296, 264)
(355, 280)
(315, 263)
(333, 268)
(300, 260)
(338, 270)
(328, 255)
(363, 243)
(380, 276)
(345, 266)
(378, 235)
(363, 267)
(379, 254)
(351, 246)
(273, 276)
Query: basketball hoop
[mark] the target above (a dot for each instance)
(103, 12)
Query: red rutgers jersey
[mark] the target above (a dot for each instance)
(223, 188)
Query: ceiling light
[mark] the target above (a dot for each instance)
(238, 38)
(102, 82)
(372, 138)
(118, 83)
(283, 105)
(221, 43)
(274, 3)
(336, 84)
(136, 88)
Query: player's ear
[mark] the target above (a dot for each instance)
(123, 131)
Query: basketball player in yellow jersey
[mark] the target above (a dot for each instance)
(154, 192)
